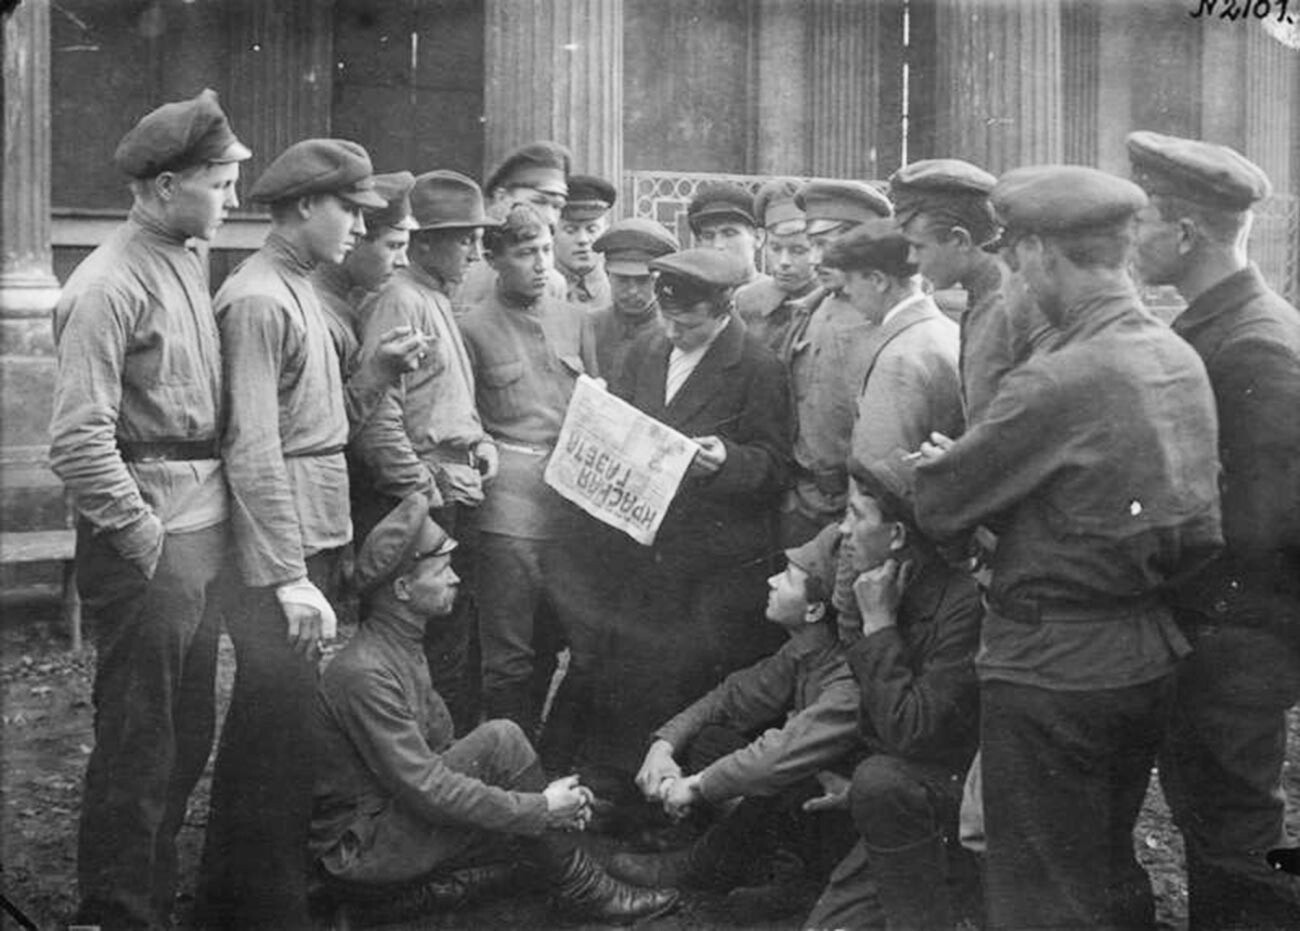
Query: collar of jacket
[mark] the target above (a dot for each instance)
(284, 254)
(1223, 297)
(396, 624)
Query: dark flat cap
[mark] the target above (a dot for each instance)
(935, 182)
(1203, 172)
(717, 200)
(630, 245)
(392, 544)
(819, 557)
(775, 206)
(830, 203)
(875, 245)
(543, 165)
(589, 197)
(1063, 198)
(177, 136)
(395, 189)
(445, 200)
(707, 269)
(319, 166)
(891, 480)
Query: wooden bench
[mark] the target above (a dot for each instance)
(49, 546)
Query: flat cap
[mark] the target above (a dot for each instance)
(395, 189)
(445, 200)
(818, 557)
(1063, 198)
(319, 166)
(717, 200)
(704, 269)
(874, 245)
(1204, 172)
(630, 245)
(829, 203)
(392, 544)
(891, 480)
(543, 165)
(589, 197)
(177, 136)
(936, 181)
(775, 206)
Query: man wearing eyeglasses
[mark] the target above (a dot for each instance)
(688, 600)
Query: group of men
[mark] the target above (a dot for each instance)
(1055, 531)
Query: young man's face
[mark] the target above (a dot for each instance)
(632, 293)
(940, 259)
(447, 254)
(832, 279)
(375, 258)
(429, 587)
(523, 268)
(690, 327)
(1157, 256)
(573, 241)
(787, 597)
(789, 261)
(201, 198)
(333, 228)
(866, 291)
(1035, 261)
(728, 235)
(867, 537)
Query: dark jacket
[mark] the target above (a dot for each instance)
(739, 393)
(920, 698)
(1249, 338)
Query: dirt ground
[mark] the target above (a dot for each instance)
(45, 740)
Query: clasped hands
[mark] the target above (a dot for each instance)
(568, 804)
(660, 779)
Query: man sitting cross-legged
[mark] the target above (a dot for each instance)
(809, 682)
(400, 803)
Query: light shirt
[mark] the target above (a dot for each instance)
(681, 364)
(902, 305)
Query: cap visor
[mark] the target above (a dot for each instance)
(629, 268)
(481, 223)
(235, 152)
(363, 199)
(407, 223)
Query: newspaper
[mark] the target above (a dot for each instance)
(617, 464)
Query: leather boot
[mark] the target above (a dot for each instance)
(719, 860)
(584, 891)
(369, 906)
(912, 884)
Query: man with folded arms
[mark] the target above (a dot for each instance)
(407, 817)
(283, 451)
(1221, 766)
(137, 409)
(1096, 464)
(427, 435)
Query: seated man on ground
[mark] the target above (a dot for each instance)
(775, 772)
(400, 804)
(911, 624)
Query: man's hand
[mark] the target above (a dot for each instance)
(935, 447)
(835, 793)
(679, 795)
(402, 349)
(708, 458)
(878, 592)
(658, 766)
(308, 614)
(489, 460)
(568, 805)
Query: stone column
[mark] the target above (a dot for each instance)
(855, 67)
(997, 82)
(28, 288)
(555, 71)
(27, 283)
(782, 75)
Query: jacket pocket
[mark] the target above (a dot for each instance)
(503, 398)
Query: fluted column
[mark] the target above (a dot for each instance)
(783, 75)
(555, 71)
(854, 62)
(998, 83)
(28, 287)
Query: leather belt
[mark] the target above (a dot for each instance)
(168, 450)
(526, 448)
(1038, 611)
(316, 453)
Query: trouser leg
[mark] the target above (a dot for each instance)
(1064, 778)
(1221, 769)
(153, 721)
(509, 593)
(449, 645)
(255, 863)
